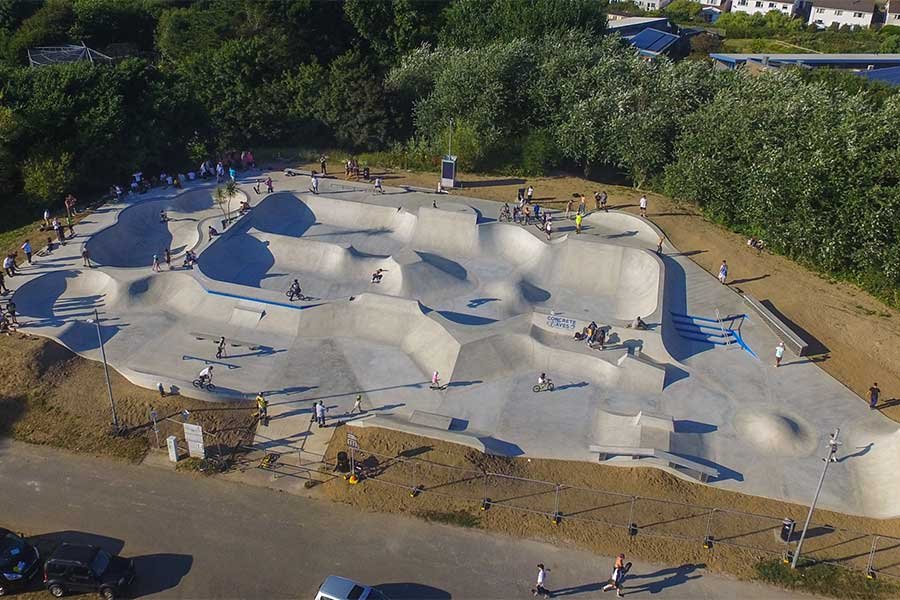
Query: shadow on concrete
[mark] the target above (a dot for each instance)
(670, 577)
(159, 572)
(412, 591)
(688, 426)
(816, 347)
(465, 319)
(499, 447)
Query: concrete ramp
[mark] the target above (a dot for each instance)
(429, 419)
(450, 231)
(245, 317)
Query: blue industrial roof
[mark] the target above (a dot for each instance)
(653, 41)
(891, 75)
(842, 60)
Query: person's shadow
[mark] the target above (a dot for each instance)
(671, 577)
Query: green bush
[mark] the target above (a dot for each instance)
(825, 579)
(47, 179)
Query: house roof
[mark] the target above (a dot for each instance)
(653, 41)
(631, 21)
(816, 60)
(855, 5)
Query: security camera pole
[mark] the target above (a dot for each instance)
(833, 445)
(112, 403)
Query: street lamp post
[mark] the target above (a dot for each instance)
(833, 445)
(112, 402)
(450, 140)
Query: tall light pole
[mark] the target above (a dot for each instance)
(112, 402)
(450, 140)
(833, 445)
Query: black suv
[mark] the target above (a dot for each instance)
(19, 561)
(80, 568)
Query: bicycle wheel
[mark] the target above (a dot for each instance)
(551, 387)
(210, 387)
(536, 388)
(197, 384)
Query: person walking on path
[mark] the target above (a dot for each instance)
(378, 187)
(529, 194)
(262, 409)
(320, 413)
(220, 350)
(540, 588)
(11, 311)
(323, 165)
(314, 184)
(26, 248)
(59, 232)
(569, 204)
(779, 354)
(9, 265)
(3, 288)
(604, 197)
(723, 272)
(70, 205)
(46, 218)
(578, 219)
(582, 205)
(643, 204)
(357, 405)
(659, 243)
(85, 256)
(156, 268)
(618, 576)
(168, 257)
(548, 227)
(269, 187)
(874, 393)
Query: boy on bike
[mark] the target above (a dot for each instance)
(206, 376)
(294, 291)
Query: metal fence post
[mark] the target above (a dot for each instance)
(631, 513)
(707, 540)
(869, 569)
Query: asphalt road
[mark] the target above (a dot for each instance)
(195, 537)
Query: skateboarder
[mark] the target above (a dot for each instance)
(220, 350)
(539, 589)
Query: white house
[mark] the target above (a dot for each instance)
(892, 13)
(646, 4)
(752, 7)
(855, 13)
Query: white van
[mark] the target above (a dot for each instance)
(341, 588)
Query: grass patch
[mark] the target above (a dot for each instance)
(825, 579)
(460, 518)
(190, 464)
(760, 45)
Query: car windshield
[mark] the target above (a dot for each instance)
(100, 562)
(12, 551)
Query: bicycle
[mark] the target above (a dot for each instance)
(547, 386)
(204, 384)
(297, 296)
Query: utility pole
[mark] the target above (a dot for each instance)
(450, 140)
(112, 403)
(833, 445)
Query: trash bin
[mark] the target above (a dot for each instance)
(343, 462)
(787, 530)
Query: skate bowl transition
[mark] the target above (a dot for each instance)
(473, 273)
(139, 233)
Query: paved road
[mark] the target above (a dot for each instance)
(196, 537)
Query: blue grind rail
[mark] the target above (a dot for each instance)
(694, 328)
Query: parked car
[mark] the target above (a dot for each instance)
(19, 561)
(82, 568)
(341, 588)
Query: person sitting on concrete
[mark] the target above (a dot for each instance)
(638, 323)
(245, 207)
(163, 216)
(212, 232)
(377, 275)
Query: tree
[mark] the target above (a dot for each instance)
(683, 10)
(48, 26)
(396, 27)
(46, 179)
(223, 197)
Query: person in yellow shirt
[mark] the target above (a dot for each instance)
(262, 408)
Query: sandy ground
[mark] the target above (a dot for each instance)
(50, 396)
(853, 335)
(673, 516)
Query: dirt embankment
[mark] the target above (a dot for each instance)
(673, 515)
(48, 395)
(855, 337)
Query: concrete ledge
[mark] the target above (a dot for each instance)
(794, 342)
(464, 439)
(429, 419)
(695, 469)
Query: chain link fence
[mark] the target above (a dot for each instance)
(876, 555)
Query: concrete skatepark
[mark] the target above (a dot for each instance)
(490, 305)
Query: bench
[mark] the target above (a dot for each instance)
(428, 419)
(695, 469)
(794, 342)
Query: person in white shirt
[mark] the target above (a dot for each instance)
(779, 353)
(643, 205)
(540, 588)
(206, 375)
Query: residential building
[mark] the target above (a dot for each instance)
(857, 14)
(892, 13)
(628, 26)
(753, 7)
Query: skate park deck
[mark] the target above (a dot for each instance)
(490, 305)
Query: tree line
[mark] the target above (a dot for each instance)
(804, 160)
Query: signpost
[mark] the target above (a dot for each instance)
(352, 444)
(193, 435)
(154, 416)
